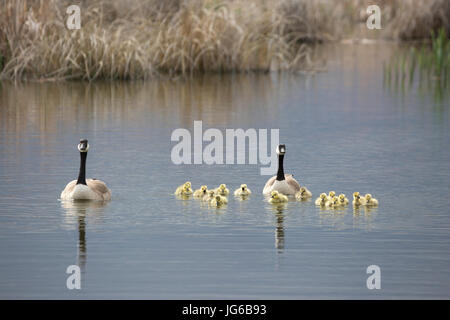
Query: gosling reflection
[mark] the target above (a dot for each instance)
(363, 216)
(333, 217)
(76, 214)
(366, 211)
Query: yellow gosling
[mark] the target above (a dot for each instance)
(184, 190)
(243, 190)
(321, 200)
(200, 193)
(222, 190)
(370, 201)
(331, 194)
(343, 201)
(276, 197)
(209, 196)
(218, 201)
(303, 194)
(357, 200)
(333, 203)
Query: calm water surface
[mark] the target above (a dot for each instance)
(345, 130)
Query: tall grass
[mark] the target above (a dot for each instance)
(412, 19)
(137, 39)
(147, 38)
(428, 63)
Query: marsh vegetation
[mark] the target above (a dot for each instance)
(427, 63)
(138, 39)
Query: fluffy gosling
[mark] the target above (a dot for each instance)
(222, 190)
(333, 203)
(209, 196)
(184, 190)
(331, 194)
(357, 200)
(200, 193)
(343, 201)
(218, 201)
(243, 190)
(321, 200)
(303, 193)
(370, 201)
(276, 197)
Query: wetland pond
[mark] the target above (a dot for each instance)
(345, 130)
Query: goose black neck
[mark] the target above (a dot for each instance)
(82, 173)
(280, 173)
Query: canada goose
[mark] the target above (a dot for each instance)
(370, 201)
(321, 200)
(243, 190)
(184, 190)
(357, 200)
(303, 194)
(200, 193)
(343, 201)
(334, 202)
(282, 182)
(218, 201)
(82, 189)
(276, 197)
(209, 196)
(330, 196)
(222, 190)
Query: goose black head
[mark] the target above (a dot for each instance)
(83, 146)
(281, 149)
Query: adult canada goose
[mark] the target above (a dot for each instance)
(282, 182)
(243, 190)
(85, 189)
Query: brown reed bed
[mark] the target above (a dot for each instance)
(417, 20)
(152, 37)
(137, 39)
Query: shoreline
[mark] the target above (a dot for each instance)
(183, 38)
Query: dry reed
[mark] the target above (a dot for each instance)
(152, 37)
(137, 39)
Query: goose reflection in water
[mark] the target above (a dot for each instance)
(77, 212)
(278, 210)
